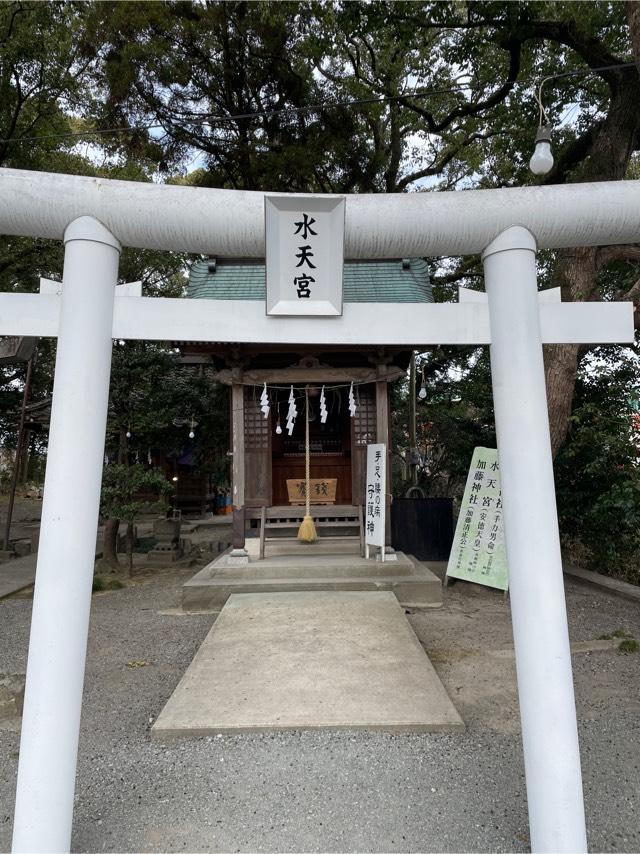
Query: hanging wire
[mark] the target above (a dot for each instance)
(543, 115)
(209, 118)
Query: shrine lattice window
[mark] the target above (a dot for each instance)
(256, 426)
(365, 428)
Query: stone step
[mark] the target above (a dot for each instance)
(336, 530)
(319, 566)
(347, 545)
(414, 585)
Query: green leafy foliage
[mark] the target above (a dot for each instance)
(455, 417)
(598, 469)
(156, 398)
(126, 489)
(101, 583)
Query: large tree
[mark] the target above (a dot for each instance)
(338, 97)
(392, 97)
(47, 104)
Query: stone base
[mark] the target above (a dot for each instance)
(389, 555)
(22, 548)
(309, 570)
(237, 557)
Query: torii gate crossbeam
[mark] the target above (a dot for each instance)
(509, 225)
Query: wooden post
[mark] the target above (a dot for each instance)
(382, 431)
(237, 529)
(237, 477)
(19, 449)
(413, 469)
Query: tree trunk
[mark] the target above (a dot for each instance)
(576, 274)
(110, 546)
(633, 19)
(123, 447)
(130, 547)
(561, 365)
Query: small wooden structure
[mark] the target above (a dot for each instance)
(269, 463)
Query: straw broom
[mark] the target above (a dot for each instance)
(307, 531)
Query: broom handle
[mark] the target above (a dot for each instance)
(307, 455)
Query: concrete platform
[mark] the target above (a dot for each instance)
(287, 661)
(312, 569)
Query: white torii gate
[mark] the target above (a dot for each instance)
(95, 217)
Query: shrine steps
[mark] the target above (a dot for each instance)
(413, 583)
(325, 545)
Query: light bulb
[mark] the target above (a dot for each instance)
(192, 435)
(128, 434)
(278, 429)
(422, 393)
(542, 159)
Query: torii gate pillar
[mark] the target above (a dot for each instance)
(541, 639)
(62, 595)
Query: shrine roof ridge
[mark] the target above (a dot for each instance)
(399, 280)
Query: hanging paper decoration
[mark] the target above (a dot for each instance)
(106, 460)
(352, 402)
(323, 407)
(149, 457)
(292, 414)
(264, 402)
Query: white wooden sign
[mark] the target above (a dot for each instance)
(375, 504)
(304, 255)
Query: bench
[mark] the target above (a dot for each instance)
(289, 519)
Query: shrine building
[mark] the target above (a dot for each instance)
(268, 463)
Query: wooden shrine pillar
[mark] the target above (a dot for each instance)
(237, 475)
(382, 433)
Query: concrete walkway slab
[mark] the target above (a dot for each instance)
(281, 661)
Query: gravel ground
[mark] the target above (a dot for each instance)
(330, 791)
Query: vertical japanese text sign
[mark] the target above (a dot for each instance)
(375, 503)
(304, 239)
(478, 553)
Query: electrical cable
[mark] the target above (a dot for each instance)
(317, 108)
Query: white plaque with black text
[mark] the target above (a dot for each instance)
(305, 251)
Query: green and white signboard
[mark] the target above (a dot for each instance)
(478, 553)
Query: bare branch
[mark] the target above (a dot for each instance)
(625, 252)
(633, 295)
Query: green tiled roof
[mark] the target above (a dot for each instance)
(363, 281)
